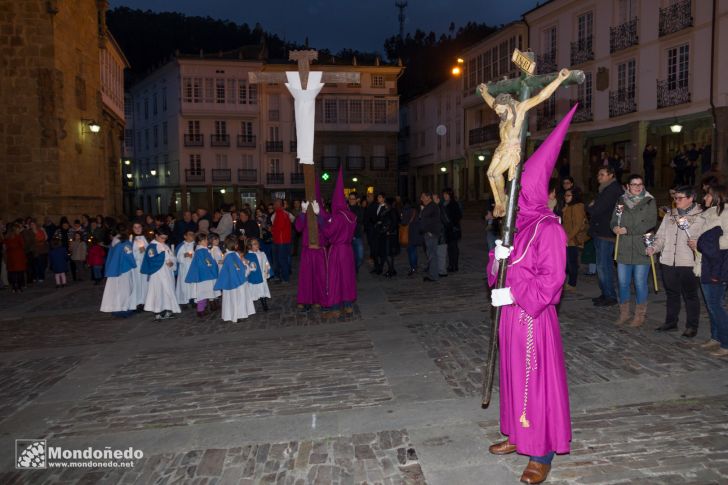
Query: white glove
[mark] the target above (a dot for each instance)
(501, 297)
(501, 252)
(316, 208)
(304, 206)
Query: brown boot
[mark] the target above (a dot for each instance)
(623, 313)
(502, 448)
(535, 472)
(640, 312)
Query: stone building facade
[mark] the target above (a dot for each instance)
(61, 74)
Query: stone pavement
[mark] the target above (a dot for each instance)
(387, 395)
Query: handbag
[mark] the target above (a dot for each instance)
(404, 234)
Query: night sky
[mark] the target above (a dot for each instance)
(332, 24)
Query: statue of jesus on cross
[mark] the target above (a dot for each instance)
(507, 155)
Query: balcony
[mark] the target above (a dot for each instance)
(297, 178)
(247, 175)
(484, 134)
(194, 140)
(246, 141)
(622, 102)
(583, 112)
(274, 178)
(378, 163)
(274, 146)
(676, 17)
(221, 175)
(194, 175)
(582, 51)
(330, 163)
(220, 140)
(669, 93)
(293, 146)
(546, 63)
(624, 36)
(355, 163)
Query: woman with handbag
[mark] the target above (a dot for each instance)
(576, 227)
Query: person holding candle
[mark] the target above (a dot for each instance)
(185, 252)
(638, 216)
(677, 260)
(140, 281)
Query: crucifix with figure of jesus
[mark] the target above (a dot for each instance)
(304, 85)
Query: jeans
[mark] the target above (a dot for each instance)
(281, 260)
(572, 264)
(412, 256)
(96, 272)
(679, 281)
(357, 244)
(715, 303)
(605, 267)
(625, 274)
(442, 258)
(431, 250)
(40, 264)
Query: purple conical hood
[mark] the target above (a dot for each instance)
(338, 200)
(534, 197)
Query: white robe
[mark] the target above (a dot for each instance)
(237, 303)
(139, 280)
(204, 290)
(184, 290)
(119, 293)
(160, 295)
(260, 290)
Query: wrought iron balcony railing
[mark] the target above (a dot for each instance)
(246, 141)
(676, 17)
(484, 134)
(378, 163)
(582, 51)
(583, 112)
(546, 63)
(296, 178)
(194, 140)
(274, 146)
(330, 163)
(355, 163)
(274, 178)
(221, 175)
(220, 140)
(623, 36)
(195, 175)
(247, 175)
(622, 102)
(670, 94)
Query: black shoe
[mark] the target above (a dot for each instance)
(690, 332)
(598, 299)
(428, 279)
(444, 275)
(606, 302)
(411, 272)
(264, 303)
(666, 327)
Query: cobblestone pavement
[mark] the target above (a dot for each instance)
(388, 394)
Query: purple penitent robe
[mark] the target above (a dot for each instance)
(312, 269)
(341, 281)
(534, 395)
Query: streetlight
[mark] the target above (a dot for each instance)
(443, 169)
(90, 126)
(128, 175)
(222, 191)
(153, 172)
(127, 162)
(481, 157)
(676, 127)
(456, 71)
(355, 179)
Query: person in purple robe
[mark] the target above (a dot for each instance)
(339, 230)
(534, 397)
(312, 267)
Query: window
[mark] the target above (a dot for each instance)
(242, 92)
(164, 99)
(154, 104)
(366, 111)
(128, 138)
(377, 81)
(274, 165)
(209, 90)
(248, 163)
(355, 111)
(139, 139)
(155, 135)
(273, 133)
(678, 67)
(585, 27)
(193, 127)
(146, 138)
(627, 10)
(219, 91)
(197, 90)
(221, 160)
(472, 79)
(187, 90)
(196, 163)
(549, 41)
(584, 92)
(274, 104)
(494, 62)
(504, 58)
(246, 129)
(165, 138)
(487, 76)
(626, 84)
(380, 111)
(221, 127)
(230, 91)
(343, 111)
(330, 111)
(253, 94)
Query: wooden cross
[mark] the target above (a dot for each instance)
(304, 59)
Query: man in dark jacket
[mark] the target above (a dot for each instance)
(431, 227)
(370, 220)
(600, 214)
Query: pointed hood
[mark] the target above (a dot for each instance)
(534, 197)
(338, 200)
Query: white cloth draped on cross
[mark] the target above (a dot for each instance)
(305, 110)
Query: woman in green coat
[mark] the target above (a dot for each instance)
(634, 215)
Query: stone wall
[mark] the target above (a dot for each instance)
(49, 84)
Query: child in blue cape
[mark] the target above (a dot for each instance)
(118, 296)
(258, 278)
(202, 275)
(236, 301)
(158, 265)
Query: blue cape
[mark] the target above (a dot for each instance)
(255, 277)
(153, 260)
(203, 268)
(232, 273)
(120, 259)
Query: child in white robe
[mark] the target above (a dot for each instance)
(158, 264)
(258, 278)
(119, 270)
(185, 251)
(202, 275)
(236, 301)
(140, 281)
